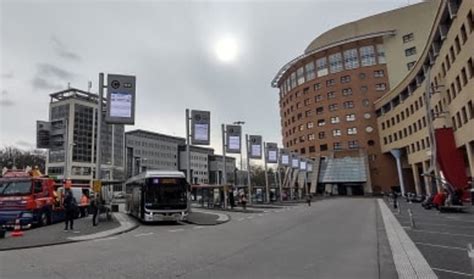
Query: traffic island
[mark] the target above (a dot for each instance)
(203, 218)
(55, 234)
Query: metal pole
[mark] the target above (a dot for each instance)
(266, 175)
(99, 125)
(280, 184)
(66, 150)
(224, 174)
(188, 153)
(249, 186)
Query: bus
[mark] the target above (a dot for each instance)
(158, 196)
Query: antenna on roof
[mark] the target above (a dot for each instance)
(89, 86)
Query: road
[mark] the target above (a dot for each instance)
(331, 239)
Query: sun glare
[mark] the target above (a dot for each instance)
(226, 49)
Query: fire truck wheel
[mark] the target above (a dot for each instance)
(44, 219)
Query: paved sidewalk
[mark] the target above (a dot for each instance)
(55, 234)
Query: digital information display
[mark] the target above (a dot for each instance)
(272, 155)
(309, 167)
(234, 143)
(201, 132)
(303, 165)
(120, 104)
(255, 143)
(272, 152)
(256, 151)
(295, 163)
(234, 137)
(285, 159)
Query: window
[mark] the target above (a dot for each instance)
(38, 187)
(301, 127)
(306, 102)
(352, 131)
(317, 86)
(457, 44)
(364, 89)
(302, 138)
(470, 107)
(453, 56)
(367, 56)
(311, 137)
(335, 119)
(463, 34)
(464, 76)
(300, 75)
(319, 110)
(321, 135)
(337, 146)
(305, 90)
(347, 91)
(348, 104)
(470, 67)
(323, 147)
(381, 54)
(293, 80)
(309, 125)
(350, 117)
(318, 98)
(310, 71)
(307, 113)
(330, 82)
(332, 107)
(353, 144)
(335, 62)
(408, 38)
(298, 105)
(410, 51)
(379, 73)
(321, 122)
(470, 21)
(464, 115)
(365, 102)
(322, 66)
(351, 59)
(336, 133)
(331, 95)
(380, 87)
(345, 79)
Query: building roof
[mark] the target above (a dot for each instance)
(74, 93)
(140, 132)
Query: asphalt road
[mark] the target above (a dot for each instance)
(331, 239)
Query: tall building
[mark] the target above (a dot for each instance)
(409, 119)
(152, 151)
(73, 115)
(199, 163)
(327, 95)
(216, 166)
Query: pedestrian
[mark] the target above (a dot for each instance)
(70, 206)
(84, 203)
(395, 201)
(231, 200)
(95, 209)
(308, 199)
(244, 201)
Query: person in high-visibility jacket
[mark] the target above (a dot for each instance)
(84, 204)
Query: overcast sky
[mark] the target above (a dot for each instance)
(170, 47)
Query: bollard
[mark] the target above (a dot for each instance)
(412, 220)
(470, 253)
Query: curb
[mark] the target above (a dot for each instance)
(70, 240)
(225, 218)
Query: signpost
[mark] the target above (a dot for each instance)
(233, 137)
(254, 151)
(199, 134)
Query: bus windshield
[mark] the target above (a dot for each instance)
(15, 188)
(166, 193)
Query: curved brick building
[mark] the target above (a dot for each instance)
(327, 94)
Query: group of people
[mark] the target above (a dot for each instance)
(242, 200)
(71, 207)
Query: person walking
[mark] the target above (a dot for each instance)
(95, 209)
(231, 199)
(308, 199)
(70, 205)
(244, 201)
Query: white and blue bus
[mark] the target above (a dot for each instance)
(158, 196)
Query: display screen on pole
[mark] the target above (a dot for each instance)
(233, 138)
(200, 131)
(309, 167)
(285, 159)
(295, 163)
(272, 152)
(120, 99)
(303, 165)
(255, 146)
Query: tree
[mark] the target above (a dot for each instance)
(13, 157)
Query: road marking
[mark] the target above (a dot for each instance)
(250, 217)
(240, 219)
(143, 234)
(198, 227)
(409, 262)
(107, 238)
(445, 233)
(441, 246)
(177, 230)
(265, 211)
(452, 271)
(260, 215)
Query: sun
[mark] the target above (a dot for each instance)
(226, 49)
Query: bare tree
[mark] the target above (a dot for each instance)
(13, 157)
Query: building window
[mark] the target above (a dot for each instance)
(352, 131)
(319, 110)
(379, 73)
(293, 80)
(345, 79)
(335, 62)
(470, 67)
(470, 21)
(367, 56)
(351, 59)
(380, 87)
(381, 54)
(307, 113)
(336, 133)
(330, 82)
(321, 122)
(453, 56)
(306, 102)
(311, 137)
(348, 104)
(310, 125)
(347, 91)
(310, 71)
(335, 119)
(317, 86)
(350, 117)
(364, 89)
(301, 127)
(312, 149)
(322, 66)
(332, 107)
(302, 138)
(318, 98)
(464, 76)
(323, 147)
(457, 44)
(470, 107)
(331, 95)
(337, 146)
(408, 38)
(410, 51)
(365, 102)
(300, 75)
(321, 135)
(353, 144)
(463, 34)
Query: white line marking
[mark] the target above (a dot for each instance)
(444, 233)
(260, 215)
(409, 262)
(143, 234)
(441, 246)
(198, 227)
(265, 211)
(452, 271)
(250, 217)
(177, 230)
(240, 219)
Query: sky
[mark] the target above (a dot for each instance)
(170, 46)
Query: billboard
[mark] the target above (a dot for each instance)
(120, 99)
(271, 152)
(284, 157)
(295, 161)
(234, 136)
(303, 165)
(200, 127)
(43, 134)
(310, 166)
(255, 147)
